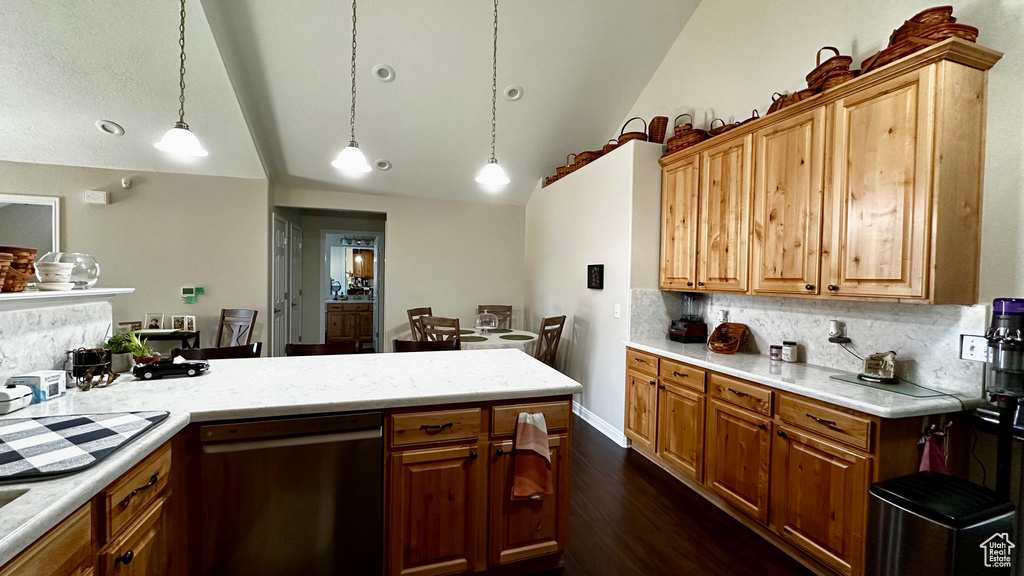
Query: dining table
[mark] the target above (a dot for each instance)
(493, 338)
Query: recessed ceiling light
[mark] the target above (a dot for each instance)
(383, 72)
(109, 127)
(382, 165)
(513, 93)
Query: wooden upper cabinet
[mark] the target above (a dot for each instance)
(738, 457)
(641, 409)
(725, 195)
(681, 434)
(680, 193)
(881, 189)
(789, 181)
(818, 498)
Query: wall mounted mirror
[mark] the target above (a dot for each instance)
(30, 222)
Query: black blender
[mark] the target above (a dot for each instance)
(690, 328)
(1004, 378)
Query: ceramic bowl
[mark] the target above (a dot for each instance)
(54, 272)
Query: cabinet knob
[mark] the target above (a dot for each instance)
(653, 382)
(762, 426)
(832, 287)
(809, 287)
(125, 558)
(782, 434)
(700, 283)
(472, 455)
(689, 283)
(499, 452)
(660, 387)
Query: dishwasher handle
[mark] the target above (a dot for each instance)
(309, 440)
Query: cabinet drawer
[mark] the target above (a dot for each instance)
(126, 498)
(557, 416)
(64, 551)
(681, 374)
(143, 550)
(432, 427)
(840, 426)
(641, 362)
(742, 394)
(358, 307)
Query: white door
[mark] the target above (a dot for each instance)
(295, 274)
(279, 331)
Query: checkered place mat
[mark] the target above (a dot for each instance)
(53, 445)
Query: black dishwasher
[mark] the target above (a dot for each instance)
(293, 496)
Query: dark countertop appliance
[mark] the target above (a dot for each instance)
(690, 328)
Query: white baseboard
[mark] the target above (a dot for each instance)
(602, 426)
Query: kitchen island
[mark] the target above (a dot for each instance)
(493, 385)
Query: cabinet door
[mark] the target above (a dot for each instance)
(66, 550)
(143, 550)
(739, 450)
(681, 434)
(879, 216)
(641, 408)
(725, 191)
(364, 326)
(818, 498)
(522, 529)
(437, 510)
(789, 181)
(680, 193)
(334, 330)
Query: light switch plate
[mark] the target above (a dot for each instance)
(973, 348)
(618, 311)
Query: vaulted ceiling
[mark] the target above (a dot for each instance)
(268, 86)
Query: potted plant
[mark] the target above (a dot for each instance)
(121, 350)
(142, 351)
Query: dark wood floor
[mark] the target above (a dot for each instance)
(631, 517)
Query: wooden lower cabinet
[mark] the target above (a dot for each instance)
(523, 529)
(739, 452)
(347, 322)
(144, 549)
(681, 429)
(66, 550)
(819, 497)
(641, 409)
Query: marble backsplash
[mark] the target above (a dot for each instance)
(36, 339)
(925, 338)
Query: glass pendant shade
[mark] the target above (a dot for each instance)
(492, 174)
(181, 141)
(351, 159)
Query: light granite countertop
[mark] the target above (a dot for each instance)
(266, 387)
(809, 380)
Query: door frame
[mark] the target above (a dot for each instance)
(286, 228)
(295, 290)
(378, 276)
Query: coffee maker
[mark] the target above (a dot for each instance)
(1004, 378)
(690, 328)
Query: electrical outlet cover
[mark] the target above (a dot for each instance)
(973, 348)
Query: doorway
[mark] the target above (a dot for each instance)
(351, 287)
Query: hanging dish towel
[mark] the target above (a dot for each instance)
(932, 460)
(531, 462)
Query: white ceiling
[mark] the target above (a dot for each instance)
(582, 63)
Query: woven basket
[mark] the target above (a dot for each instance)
(685, 127)
(22, 258)
(934, 15)
(728, 338)
(609, 146)
(778, 99)
(895, 52)
(712, 131)
(687, 139)
(797, 97)
(839, 78)
(822, 70)
(5, 265)
(946, 30)
(656, 129)
(563, 170)
(16, 280)
(588, 156)
(627, 136)
(754, 115)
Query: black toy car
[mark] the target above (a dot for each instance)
(162, 368)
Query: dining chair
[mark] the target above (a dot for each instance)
(414, 346)
(436, 328)
(414, 321)
(502, 311)
(225, 352)
(236, 326)
(548, 338)
(328, 349)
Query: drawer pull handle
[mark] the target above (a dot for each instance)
(125, 558)
(737, 392)
(640, 360)
(680, 374)
(762, 426)
(436, 427)
(128, 499)
(828, 423)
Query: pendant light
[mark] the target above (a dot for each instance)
(180, 140)
(492, 173)
(351, 159)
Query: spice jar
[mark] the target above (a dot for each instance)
(789, 351)
(775, 352)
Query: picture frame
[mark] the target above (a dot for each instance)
(190, 323)
(177, 322)
(128, 327)
(153, 321)
(595, 276)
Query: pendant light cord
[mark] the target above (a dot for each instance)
(181, 70)
(352, 119)
(494, 84)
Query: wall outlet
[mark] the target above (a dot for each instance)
(618, 311)
(973, 348)
(95, 197)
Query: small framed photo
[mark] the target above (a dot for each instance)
(595, 276)
(177, 322)
(154, 321)
(128, 327)
(190, 323)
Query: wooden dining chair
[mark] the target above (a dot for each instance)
(439, 329)
(226, 352)
(548, 338)
(414, 346)
(502, 311)
(414, 321)
(328, 349)
(236, 326)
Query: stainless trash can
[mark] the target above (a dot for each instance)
(937, 525)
